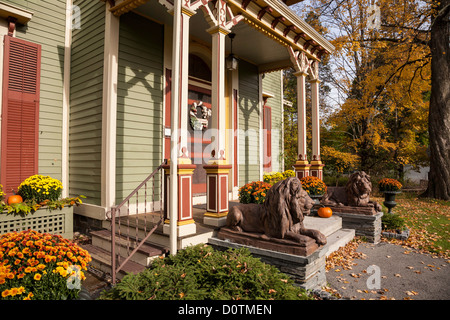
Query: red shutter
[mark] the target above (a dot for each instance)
(267, 127)
(20, 112)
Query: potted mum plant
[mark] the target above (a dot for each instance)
(314, 186)
(254, 192)
(390, 188)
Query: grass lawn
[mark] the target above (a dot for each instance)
(428, 221)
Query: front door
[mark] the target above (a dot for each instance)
(199, 109)
(200, 121)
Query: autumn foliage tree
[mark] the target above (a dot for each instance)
(391, 72)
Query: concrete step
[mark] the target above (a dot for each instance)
(338, 239)
(159, 237)
(325, 225)
(101, 260)
(144, 255)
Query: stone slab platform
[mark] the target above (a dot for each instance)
(305, 247)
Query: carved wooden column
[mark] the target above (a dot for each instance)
(301, 165)
(316, 164)
(180, 192)
(221, 19)
(301, 65)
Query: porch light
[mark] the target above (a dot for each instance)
(231, 60)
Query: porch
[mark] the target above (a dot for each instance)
(133, 229)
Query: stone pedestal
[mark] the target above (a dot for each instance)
(185, 221)
(307, 271)
(365, 225)
(217, 194)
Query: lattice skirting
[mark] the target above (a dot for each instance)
(45, 221)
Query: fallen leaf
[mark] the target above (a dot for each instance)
(412, 293)
(408, 267)
(398, 275)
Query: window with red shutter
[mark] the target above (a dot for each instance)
(20, 112)
(267, 127)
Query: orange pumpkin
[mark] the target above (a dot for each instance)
(325, 212)
(15, 199)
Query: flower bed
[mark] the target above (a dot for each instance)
(35, 207)
(40, 266)
(274, 177)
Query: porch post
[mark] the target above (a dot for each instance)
(301, 165)
(178, 172)
(217, 170)
(109, 109)
(301, 65)
(316, 164)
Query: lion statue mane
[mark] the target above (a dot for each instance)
(356, 193)
(281, 216)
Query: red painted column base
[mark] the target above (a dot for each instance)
(185, 221)
(302, 169)
(216, 194)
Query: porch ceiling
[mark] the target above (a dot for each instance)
(249, 44)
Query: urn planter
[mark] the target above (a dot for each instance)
(43, 220)
(389, 199)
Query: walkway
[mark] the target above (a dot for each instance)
(404, 274)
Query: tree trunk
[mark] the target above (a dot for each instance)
(439, 116)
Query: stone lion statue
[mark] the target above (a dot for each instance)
(281, 215)
(355, 194)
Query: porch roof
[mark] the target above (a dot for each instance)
(267, 27)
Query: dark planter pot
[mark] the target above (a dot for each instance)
(389, 199)
(316, 198)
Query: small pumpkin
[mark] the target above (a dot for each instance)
(324, 212)
(15, 199)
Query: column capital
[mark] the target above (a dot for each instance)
(187, 11)
(315, 81)
(300, 73)
(218, 29)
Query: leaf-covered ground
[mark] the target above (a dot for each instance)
(428, 221)
(429, 224)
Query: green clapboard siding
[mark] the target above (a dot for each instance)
(139, 102)
(249, 123)
(47, 28)
(271, 83)
(86, 89)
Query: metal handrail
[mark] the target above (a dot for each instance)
(115, 209)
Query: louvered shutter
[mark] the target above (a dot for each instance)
(20, 112)
(267, 126)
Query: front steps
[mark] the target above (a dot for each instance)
(100, 251)
(158, 242)
(332, 228)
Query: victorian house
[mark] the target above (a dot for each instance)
(99, 93)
